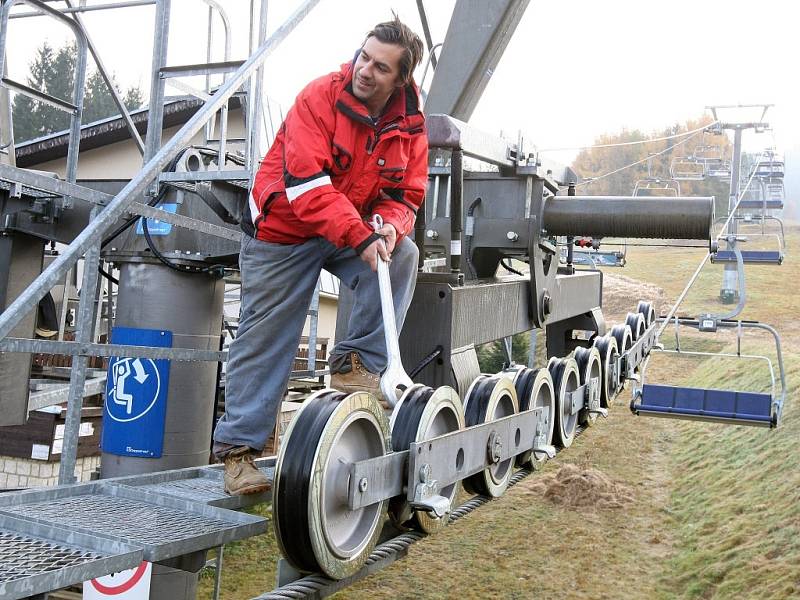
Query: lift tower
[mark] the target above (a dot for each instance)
(729, 292)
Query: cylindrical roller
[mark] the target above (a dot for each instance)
(534, 390)
(607, 346)
(590, 367)
(423, 413)
(646, 308)
(624, 338)
(315, 529)
(566, 378)
(637, 324)
(630, 217)
(489, 399)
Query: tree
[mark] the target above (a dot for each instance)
(594, 162)
(492, 357)
(53, 72)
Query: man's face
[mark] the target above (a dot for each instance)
(377, 74)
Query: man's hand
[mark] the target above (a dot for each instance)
(377, 248)
(389, 234)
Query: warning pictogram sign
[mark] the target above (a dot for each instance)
(132, 584)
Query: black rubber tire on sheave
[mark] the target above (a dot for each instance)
(646, 309)
(566, 378)
(624, 338)
(314, 528)
(423, 413)
(607, 346)
(589, 366)
(534, 389)
(490, 398)
(636, 322)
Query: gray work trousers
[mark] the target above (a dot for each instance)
(278, 282)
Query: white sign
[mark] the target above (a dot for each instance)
(133, 584)
(135, 389)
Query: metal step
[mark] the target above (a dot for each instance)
(162, 526)
(38, 558)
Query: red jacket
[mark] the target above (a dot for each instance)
(330, 167)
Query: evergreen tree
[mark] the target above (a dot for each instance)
(53, 72)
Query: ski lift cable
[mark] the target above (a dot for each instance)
(647, 141)
(696, 274)
(638, 162)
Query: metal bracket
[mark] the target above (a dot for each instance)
(426, 494)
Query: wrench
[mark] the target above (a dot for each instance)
(394, 376)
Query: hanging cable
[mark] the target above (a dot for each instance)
(633, 143)
(638, 162)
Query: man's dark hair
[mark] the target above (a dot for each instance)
(398, 33)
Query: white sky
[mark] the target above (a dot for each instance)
(574, 69)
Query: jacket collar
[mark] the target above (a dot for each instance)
(403, 104)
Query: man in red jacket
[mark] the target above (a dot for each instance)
(353, 145)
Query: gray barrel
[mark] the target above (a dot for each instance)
(683, 218)
(152, 296)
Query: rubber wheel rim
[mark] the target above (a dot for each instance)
(488, 399)
(589, 366)
(607, 346)
(314, 529)
(565, 379)
(534, 389)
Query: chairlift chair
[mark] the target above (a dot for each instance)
(715, 405)
(657, 188)
(719, 170)
(761, 256)
(687, 168)
(707, 154)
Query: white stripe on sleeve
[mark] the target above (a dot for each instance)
(297, 190)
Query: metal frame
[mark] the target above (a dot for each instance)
(108, 210)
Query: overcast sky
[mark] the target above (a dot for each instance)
(574, 69)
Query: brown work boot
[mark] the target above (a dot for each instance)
(352, 376)
(241, 475)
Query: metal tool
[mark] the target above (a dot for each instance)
(395, 376)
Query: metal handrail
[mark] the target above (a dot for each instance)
(137, 186)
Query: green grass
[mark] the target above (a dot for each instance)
(716, 511)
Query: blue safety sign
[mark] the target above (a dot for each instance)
(136, 396)
(155, 226)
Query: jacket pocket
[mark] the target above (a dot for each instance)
(342, 159)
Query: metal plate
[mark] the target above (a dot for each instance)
(38, 558)
(165, 527)
(199, 484)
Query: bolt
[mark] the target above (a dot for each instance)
(432, 234)
(512, 236)
(547, 307)
(363, 484)
(495, 448)
(425, 473)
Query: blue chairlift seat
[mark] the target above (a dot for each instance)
(599, 258)
(743, 408)
(758, 257)
(760, 204)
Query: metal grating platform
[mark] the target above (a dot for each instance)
(38, 558)
(199, 484)
(164, 527)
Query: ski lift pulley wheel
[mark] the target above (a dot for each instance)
(646, 309)
(624, 337)
(490, 398)
(566, 378)
(589, 367)
(535, 390)
(637, 324)
(607, 347)
(421, 414)
(314, 527)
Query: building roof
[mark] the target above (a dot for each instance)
(106, 131)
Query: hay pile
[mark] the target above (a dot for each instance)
(621, 294)
(578, 486)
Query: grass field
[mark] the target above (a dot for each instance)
(715, 510)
